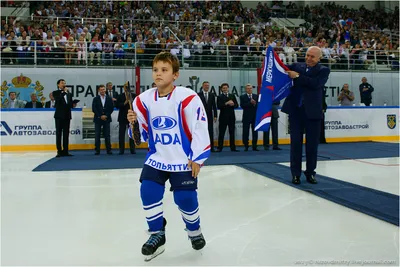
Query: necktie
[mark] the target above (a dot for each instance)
(206, 97)
(249, 96)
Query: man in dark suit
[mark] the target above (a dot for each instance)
(102, 108)
(304, 107)
(112, 93)
(51, 103)
(226, 103)
(248, 102)
(365, 92)
(33, 103)
(62, 117)
(208, 100)
(123, 106)
(272, 128)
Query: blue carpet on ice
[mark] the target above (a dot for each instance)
(381, 205)
(378, 204)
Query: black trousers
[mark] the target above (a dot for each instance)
(245, 133)
(299, 124)
(121, 138)
(230, 123)
(322, 139)
(106, 133)
(62, 129)
(273, 127)
(211, 131)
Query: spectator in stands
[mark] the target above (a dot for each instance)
(346, 97)
(51, 103)
(12, 102)
(129, 50)
(70, 49)
(108, 52)
(33, 103)
(9, 49)
(95, 49)
(290, 53)
(81, 48)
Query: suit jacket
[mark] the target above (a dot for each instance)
(365, 95)
(309, 87)
(123, 109)
(63, 108)
(227, 112)
(17, 104)
(249, 110)
(99, 110)
(209, 106)
(48, 104)
(115, 95)
(30, 105)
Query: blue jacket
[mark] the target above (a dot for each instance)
(309, 87)
(99, 110)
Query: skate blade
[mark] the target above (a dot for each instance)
(159, 251)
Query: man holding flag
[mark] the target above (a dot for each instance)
(302, 84)
(304, 107)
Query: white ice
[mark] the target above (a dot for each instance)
(95, 218)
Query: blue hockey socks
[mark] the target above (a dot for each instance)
(152, 194)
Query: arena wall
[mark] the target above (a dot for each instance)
(83, 82)
(34, 130)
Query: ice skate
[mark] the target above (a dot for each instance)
(155, 245)
(198, 241)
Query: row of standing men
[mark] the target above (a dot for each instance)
(104, 103)
(102, 107)
(227, 103)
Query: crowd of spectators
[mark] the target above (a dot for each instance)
(119, 32)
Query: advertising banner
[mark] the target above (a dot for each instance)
(37, 128)
(83, 82)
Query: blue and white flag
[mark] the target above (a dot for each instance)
(275, 87)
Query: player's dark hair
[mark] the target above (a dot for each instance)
(168, 58)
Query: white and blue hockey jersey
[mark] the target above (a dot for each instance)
(175, 127)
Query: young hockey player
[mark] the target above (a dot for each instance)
(173, 122)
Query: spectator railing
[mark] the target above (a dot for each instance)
(76, 54)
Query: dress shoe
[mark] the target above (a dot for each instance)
(109, 153)
(97, 153)
(67, 155)
(266, 148)
(311, 179)
(296, 180)
(235, 150)
(277, 148)
(133, 152)
(213, 151)
(59, 155)
(121, 153)
(255, 149)
(218, 150)
(246, 148)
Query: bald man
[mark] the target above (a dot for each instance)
(304, 107)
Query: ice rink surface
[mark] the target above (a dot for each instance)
(95, 218)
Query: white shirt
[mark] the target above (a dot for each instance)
(205, 95)
(12, 104)
(103, 100)
(175, 128)
(110, 94)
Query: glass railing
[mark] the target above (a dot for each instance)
(82, 54)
